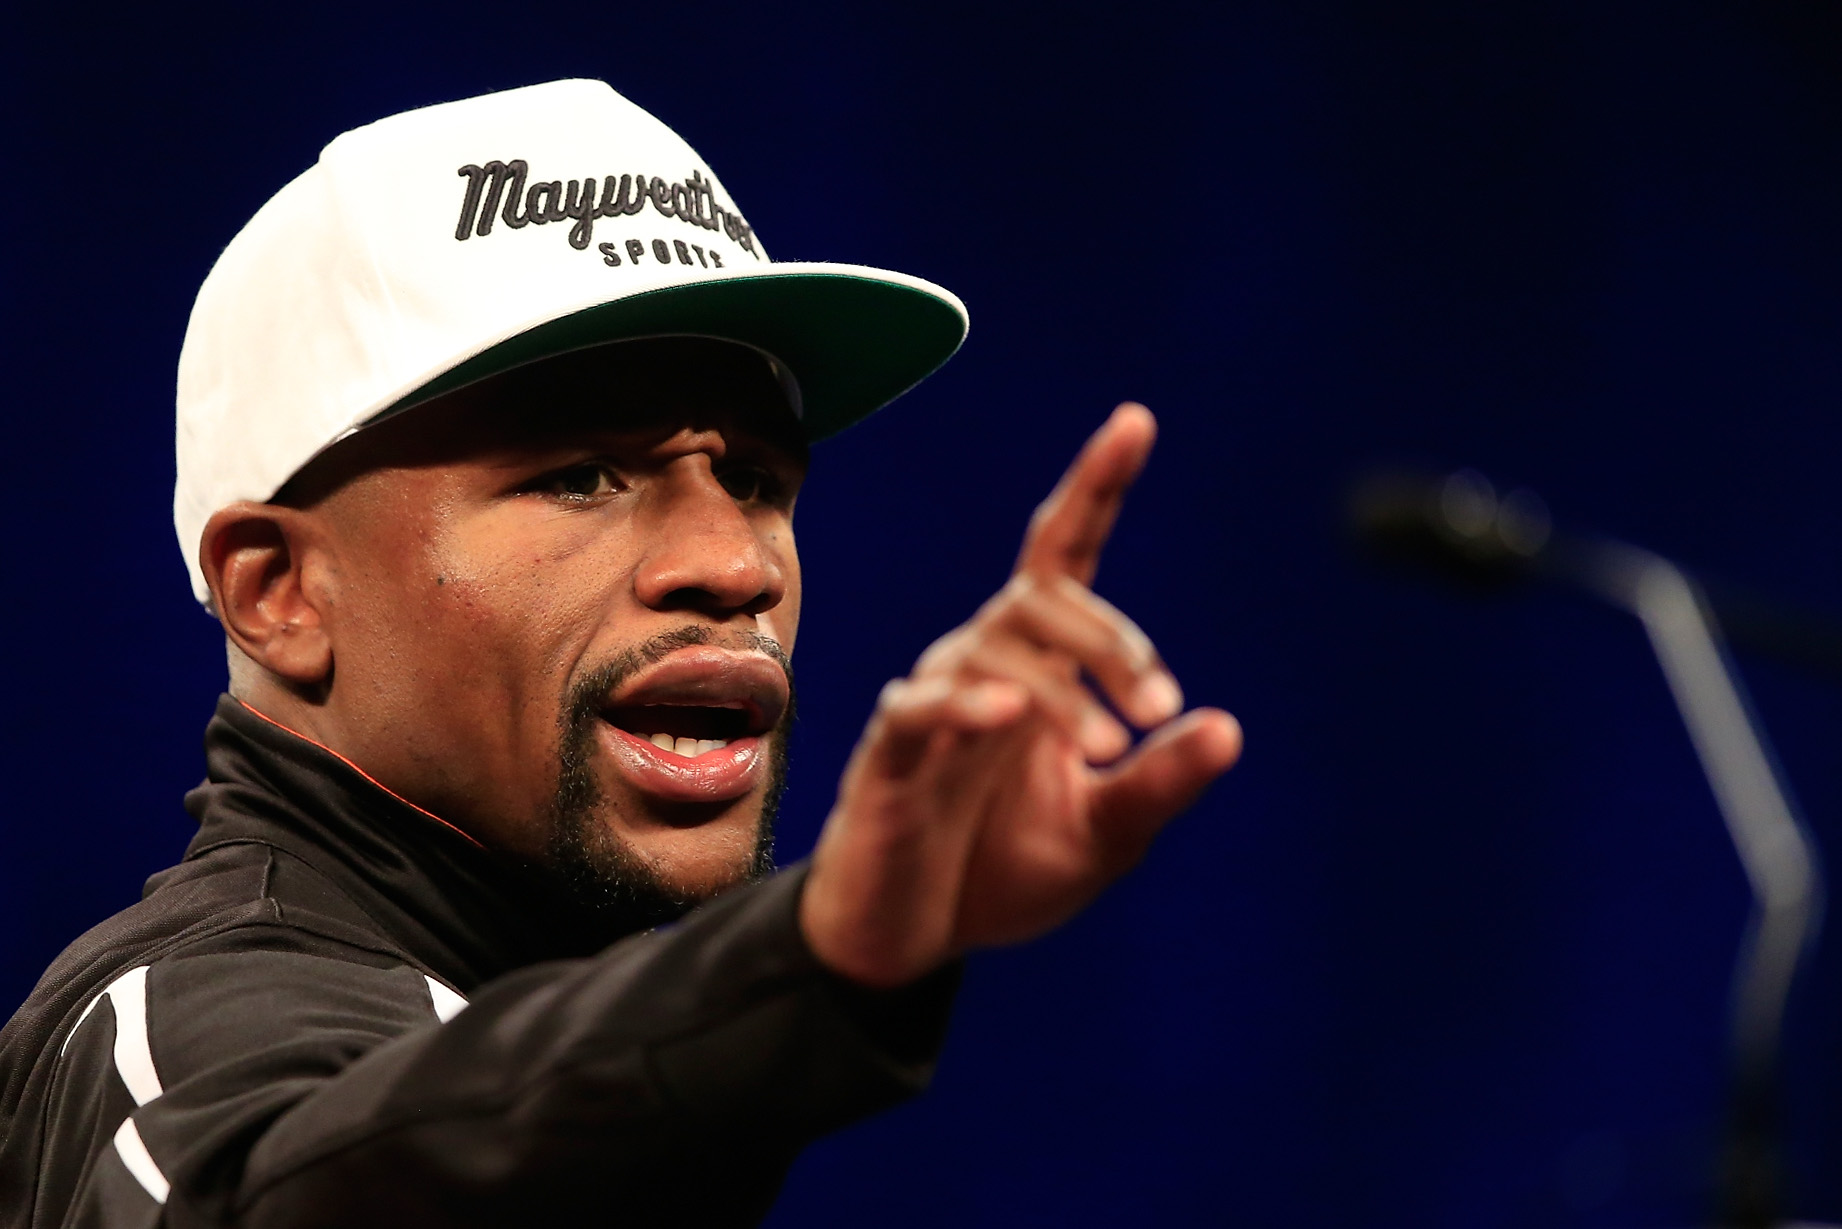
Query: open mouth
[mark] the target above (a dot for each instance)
(687, 730)
(700, 711)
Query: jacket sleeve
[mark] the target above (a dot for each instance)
(672, 1079)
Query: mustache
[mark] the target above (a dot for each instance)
(587, 693)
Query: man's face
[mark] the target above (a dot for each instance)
(560, 607)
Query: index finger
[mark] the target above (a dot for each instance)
(1070, 527)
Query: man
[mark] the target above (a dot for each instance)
(496, 514)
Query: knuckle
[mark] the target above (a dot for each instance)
(1018, 591)
(946, 653)
(1002, 612)
(991, 660)
(1130, 641)
(1107, 630)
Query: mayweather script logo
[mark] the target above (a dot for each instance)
(691, 200)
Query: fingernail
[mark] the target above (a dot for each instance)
(1158, 698)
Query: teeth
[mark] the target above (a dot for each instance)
(689, 748)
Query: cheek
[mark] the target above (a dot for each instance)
(529, 596)
(500, 618)
(782, 622)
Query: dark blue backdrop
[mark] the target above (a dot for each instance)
(1451, 948)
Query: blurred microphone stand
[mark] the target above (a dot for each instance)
(1458, 526)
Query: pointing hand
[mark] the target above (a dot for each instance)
(988, 800)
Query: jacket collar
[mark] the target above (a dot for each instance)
(467, 912)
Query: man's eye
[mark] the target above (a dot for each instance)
(746, 483)
(588, 481)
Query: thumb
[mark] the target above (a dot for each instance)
(1167, 772)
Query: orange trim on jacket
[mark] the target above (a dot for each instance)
(361, 772)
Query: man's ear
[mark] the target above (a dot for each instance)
(254, 557)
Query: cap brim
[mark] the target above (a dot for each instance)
(854, 338)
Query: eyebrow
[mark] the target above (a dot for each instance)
(612, 443)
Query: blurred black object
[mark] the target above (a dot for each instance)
(1457, 526)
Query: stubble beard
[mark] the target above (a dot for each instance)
(601, 872)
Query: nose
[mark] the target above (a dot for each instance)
(703, 553)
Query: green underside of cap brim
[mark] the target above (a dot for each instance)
(852, 342)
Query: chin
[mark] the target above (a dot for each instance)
(695, 861)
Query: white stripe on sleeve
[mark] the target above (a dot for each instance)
(447, 1003)
(134, 1063)
(133, 1057)
(135, 1156)
(71, 1036)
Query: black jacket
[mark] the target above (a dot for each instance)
(275, 1034)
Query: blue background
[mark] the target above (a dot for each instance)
(1451, 947)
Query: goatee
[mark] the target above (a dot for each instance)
(602, 875)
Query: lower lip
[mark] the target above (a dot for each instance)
(715, 776)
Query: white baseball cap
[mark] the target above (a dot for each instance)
(438, 247)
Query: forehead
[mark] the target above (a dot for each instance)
(635, 390)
